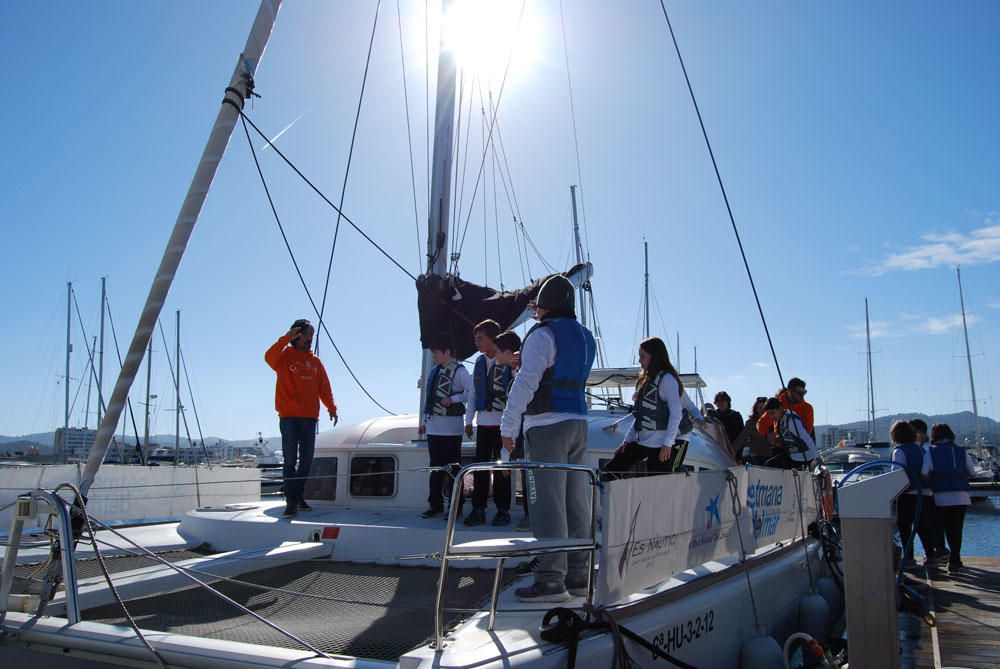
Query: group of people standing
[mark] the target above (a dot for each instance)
(937, 497)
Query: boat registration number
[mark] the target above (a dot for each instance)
(686, 632)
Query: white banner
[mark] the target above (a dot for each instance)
(129, 492)
(772, 502)
(657, 526)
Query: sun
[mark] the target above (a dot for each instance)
(485, 34)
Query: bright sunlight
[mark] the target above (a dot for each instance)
(484, 34)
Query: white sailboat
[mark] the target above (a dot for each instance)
(696, 569)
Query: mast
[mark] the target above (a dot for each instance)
(439, 213)
(678, 363)
(645, 250)
(100, 359)
(968, 355)
(701, 397)
(871, 379)
(177, 392)
(239, 89)
(578, 246)
(149, 374)
(69, 349)
(90, 384)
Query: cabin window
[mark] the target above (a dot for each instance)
(373, 476)
(322, 481)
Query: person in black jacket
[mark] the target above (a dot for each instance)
(731, 420)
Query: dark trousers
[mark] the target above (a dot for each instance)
(906, 509)
(443, 450)
(952, 520)
(488, 450)
(618, 467)
(298, 443)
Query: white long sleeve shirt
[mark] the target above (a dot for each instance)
(538, 353)
(450, 426)
(669, 392)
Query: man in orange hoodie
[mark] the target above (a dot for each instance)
(794, 398)
(302, 383)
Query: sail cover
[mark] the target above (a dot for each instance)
(448, 304)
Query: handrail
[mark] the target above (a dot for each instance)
(569, 545)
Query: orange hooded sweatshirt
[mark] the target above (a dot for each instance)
(803, 410)
(302, 381)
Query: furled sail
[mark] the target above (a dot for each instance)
(451, 305)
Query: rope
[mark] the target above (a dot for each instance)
(347, 170)
(409, 134)
(725, 197)
(796, 476)
(738, 511)
(295, 262)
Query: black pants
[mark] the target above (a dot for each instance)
(442, 450)
(298, 443)
(952, 520)
(488, 450)
(618, 467)
(906, 509)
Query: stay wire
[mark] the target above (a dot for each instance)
(175, 376)
(347, 170)
(131, 413)
(576, 140)
(295, 263)
(409, 133)
(194, 405)
(725, 197)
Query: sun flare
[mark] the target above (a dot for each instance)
(485, 34)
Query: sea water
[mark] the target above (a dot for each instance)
(981, 533)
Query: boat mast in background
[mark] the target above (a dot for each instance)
(177, 392)
(968, 355)
(100, 360)
(871, 379)
(578, 245)
(239, 89)
(440, 197)
(645, 303)
(69, 349)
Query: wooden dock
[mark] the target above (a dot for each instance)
(967, 608)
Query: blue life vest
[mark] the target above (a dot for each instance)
(491, 385)
(914, 456)
(439, 387)
(949, 473)
(651, 411)
(561, 389)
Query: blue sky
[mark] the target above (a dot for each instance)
(858, 143)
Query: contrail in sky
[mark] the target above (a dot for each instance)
(284, 130)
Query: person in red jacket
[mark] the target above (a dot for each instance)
(301, 385)
(793, 397)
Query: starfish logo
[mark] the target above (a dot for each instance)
(713, 511)
(623, 560)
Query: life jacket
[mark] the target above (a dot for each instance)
(439, 387)
(949, 473)
(491, 385)
(914, 457)
(561, 388)
(651, 411)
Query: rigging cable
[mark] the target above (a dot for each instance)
(131, 413)
(409, 133)
(576, 141)
(194, 405)
(175, 377)
(725, 197)
(347, 170)
(295, 262)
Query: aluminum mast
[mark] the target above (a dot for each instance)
(240, 86)
(968, 355)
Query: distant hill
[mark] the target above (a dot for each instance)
(962, 423)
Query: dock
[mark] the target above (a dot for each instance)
(967, 608)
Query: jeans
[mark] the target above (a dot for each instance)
(634, 453)
(443, 450)
(488, 450)
(559, 500)
(298, 443)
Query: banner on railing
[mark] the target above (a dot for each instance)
(773, 499)
(657, 526)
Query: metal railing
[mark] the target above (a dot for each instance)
(502, 550)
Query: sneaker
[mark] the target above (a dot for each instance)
(290, 510)
(577, 588)
(955, 567)
(525, 524)
(475, 517)
(432, 512)
(502, 519)
(304, 506)
(526, 568)
(542, 592)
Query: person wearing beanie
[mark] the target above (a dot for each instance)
(301, 385)
(549, 394)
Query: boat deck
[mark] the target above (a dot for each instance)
(366, 610)
(967, 607)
